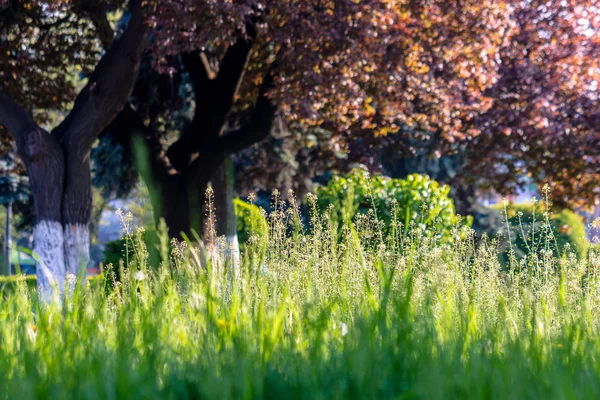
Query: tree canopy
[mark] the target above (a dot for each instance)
(500, 85)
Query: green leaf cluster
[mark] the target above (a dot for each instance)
(414, 203)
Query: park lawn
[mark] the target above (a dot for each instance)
(324, 313)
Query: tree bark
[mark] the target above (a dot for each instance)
(226, 223)
(76, 211)
(44, 160)
(465, 198)
(48, 247)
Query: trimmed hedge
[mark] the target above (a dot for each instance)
(9, 283)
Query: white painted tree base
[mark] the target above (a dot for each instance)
(77, 249)
(62, 255)
(49, 253)
(232, 253)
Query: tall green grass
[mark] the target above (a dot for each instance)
(314, 314)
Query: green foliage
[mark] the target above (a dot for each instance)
(314, 318)
(9, 284)
(251, 221)
(534, 228)
(415, 203)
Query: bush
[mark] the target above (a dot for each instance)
(530, 232)
(251, 221)
(8, 284)
(417, 200)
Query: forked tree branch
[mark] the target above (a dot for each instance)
(213, 151)
(108, 88)
(259, 126)
(214, 98)
(197, 66)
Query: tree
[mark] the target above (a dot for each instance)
(326, 65)
(543, 125)
(540, 125)
(57, 162)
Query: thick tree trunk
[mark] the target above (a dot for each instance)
(48, 245)
(62, 196)
(76, 212)
(180, 204)
(45, 164)
(226, 223)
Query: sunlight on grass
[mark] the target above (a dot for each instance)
(325, 312)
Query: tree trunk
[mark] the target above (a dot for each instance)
(465, 198)
(180, 204)
(48, 246)
(77, 249)
(8, 238)
(175, 209)
(76, 212)
(44, 159)
(61, 188)
(61, 240)
(226, 222)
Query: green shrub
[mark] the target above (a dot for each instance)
(251, 221)
(8, 284)
(416, 200)
(533, 231)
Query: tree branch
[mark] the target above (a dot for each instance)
(198, 68)
(101, 25)
(108, 88)
(213, 151)
(230, 75)
(14, 117)
(259, 126)
(214, 99)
